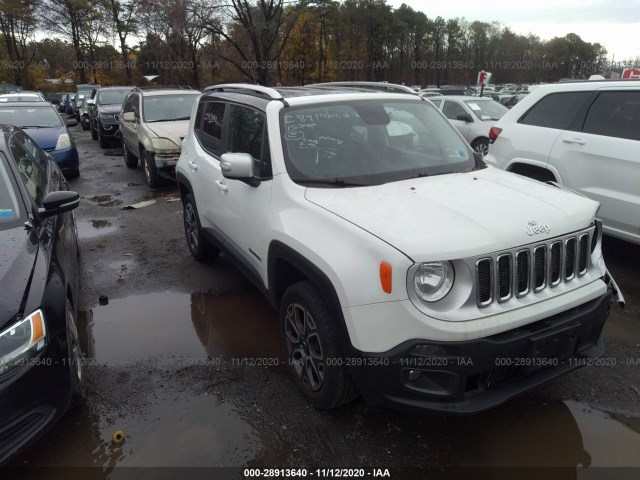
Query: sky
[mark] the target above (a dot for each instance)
(615, 24)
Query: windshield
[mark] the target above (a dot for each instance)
(10, 212)
(112, 97)
(30, 117)
(369, 142)
(487, 109)
(162, 108)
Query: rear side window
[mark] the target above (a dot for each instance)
(615, 114)
(30, 172)
(556, 110)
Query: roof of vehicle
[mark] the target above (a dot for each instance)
(21, 95)
(165, 91)
(117, 87)
(27, 105)
(588, 85)
(259, 96)
(462, 98)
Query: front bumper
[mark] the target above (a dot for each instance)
(110, 130)
(33, 396)
(470, 376)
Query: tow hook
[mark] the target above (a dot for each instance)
(616, 290)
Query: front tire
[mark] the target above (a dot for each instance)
(310, 338)
(151, 175)
(130, 160)
(104, 143)
(76, 360)
(85, 123)
(94, 133)
(198, 245)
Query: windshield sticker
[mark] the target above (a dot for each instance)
(6, 213)
(474, 106)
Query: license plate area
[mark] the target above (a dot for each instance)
(559, 344)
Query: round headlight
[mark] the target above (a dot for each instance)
(433, 280)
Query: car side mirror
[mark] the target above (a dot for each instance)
(237, 166)
(55, 203)
(129, 117)
(71, 122)
(91, 102)
(464, 118)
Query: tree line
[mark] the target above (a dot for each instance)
(200, 42)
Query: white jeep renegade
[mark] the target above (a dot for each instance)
(402, 266)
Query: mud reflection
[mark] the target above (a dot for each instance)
(194, 325)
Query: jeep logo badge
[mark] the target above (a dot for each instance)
(534, 228)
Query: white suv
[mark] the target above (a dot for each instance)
(402, 266)
(585, 136)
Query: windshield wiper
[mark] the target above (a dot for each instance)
(33, 126)
(174, 119)
(338, 182)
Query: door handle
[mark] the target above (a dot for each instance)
(577, 141)
(221, 186)
(192, 164)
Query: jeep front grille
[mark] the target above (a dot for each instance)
(531, 269)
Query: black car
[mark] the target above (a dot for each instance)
(104, 114)
(41, 368)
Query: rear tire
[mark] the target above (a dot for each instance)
(198, 245)
(481, 145)
(310, 338)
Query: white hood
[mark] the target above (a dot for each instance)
(171, 130)
(453, 216)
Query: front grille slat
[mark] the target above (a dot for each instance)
(583, 251)
(484, 281)
(531, 269)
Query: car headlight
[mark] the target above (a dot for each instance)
(64, 141)
(22, 340)
(164, 144)
(433, 280)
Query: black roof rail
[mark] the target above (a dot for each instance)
(272, 93)
(381, 86)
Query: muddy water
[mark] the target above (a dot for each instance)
(94, 228)
(197, 326)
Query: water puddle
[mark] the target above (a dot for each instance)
(554, 434)
(623, 328)
(173, 431)
(198, 326)
(94, 228)
(105, 200)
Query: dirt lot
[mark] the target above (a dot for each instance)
(165, 337)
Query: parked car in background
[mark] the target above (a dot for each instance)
(472, 116)
(42, 122)
(67, 103)
(104, 114)
(388, 246)
(55, 98)
(153, 123)
(583, 135)
(21, 97)
(83, 112)
(41, 365)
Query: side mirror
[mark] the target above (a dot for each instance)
(71, 122)
(91, 102)
(55, 203)
(237, 165)
(129, 117)
(464, 118)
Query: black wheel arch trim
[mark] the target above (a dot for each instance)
(279, 251)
